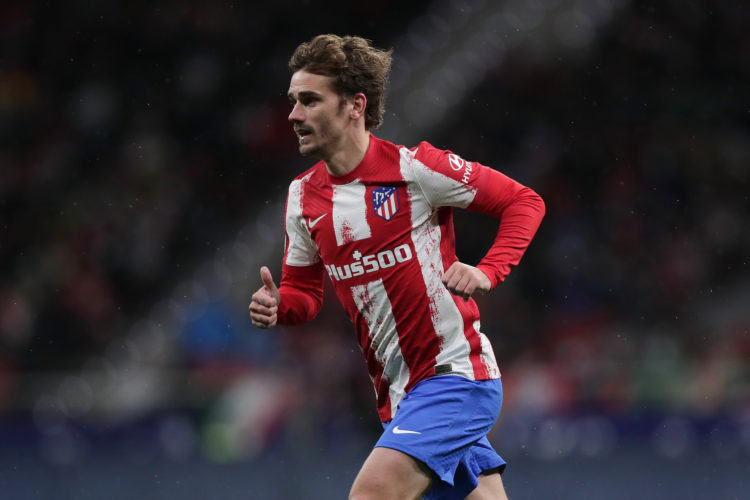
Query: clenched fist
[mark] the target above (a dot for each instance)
(465, 280)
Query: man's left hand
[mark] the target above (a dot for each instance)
(465, 280)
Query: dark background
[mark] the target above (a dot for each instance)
(144, 158)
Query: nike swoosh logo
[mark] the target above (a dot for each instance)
(312, 223)
(396, 430)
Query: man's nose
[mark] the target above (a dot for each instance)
(296, 115)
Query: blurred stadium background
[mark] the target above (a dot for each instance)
(145, 155)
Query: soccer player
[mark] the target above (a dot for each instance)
(377, 219)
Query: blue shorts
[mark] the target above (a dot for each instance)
(443, 422)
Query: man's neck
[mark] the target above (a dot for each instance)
(351, 153)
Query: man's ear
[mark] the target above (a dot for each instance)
(359, 105)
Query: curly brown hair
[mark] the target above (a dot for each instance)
(355, 65)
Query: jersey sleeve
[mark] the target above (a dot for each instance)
(301, 292)
(448, 180)
(302, 271)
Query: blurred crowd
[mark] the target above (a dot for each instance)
(135, 139)
(640, 148)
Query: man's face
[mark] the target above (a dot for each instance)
(318, 114)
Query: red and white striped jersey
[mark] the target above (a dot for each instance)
(384, 235)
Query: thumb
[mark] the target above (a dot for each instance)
(265, 275)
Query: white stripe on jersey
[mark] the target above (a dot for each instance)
(301, 251)
(350, 213)
(446, 318)
(373, 302)
(439, 189)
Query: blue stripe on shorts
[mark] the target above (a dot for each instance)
(443, 421)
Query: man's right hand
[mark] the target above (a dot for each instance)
(265, 302)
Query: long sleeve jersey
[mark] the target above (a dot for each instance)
(384, 235)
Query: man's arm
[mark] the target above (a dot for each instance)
(520, 211)
(297, 300)
(519, 215)
(300, 296)
(301, 293)
(447, 179)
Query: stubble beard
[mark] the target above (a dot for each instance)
(309, 150)
(323, 136)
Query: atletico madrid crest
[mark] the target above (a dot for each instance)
(385, 201)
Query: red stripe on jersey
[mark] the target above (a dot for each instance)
(374, 367)
(468, 309)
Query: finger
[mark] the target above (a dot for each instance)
(265, 275)
(464, 287)
(451, 285)
(459, 281)
(261, 309)
(263, 318)
(447, 276)
(263, 321)
(454, 270)
(452, 277)
(265, 297)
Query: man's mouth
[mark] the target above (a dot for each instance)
(303, 133)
